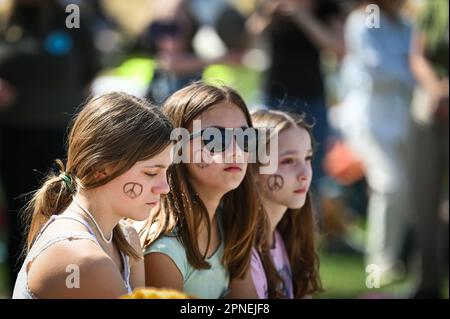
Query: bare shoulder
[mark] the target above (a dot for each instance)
(243, 288)
(75, 269)
(161, 271)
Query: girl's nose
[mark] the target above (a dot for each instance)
(233, 153)
(303, 172)
(162, 188)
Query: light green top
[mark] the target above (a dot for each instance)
(200, 283)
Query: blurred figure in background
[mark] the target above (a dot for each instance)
(429, 140)
(45, 69)
(377, 86)
(169, 38)
(107, 34)
(297, 31)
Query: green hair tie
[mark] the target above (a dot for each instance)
(67, 181)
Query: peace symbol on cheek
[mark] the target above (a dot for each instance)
(275, 183)
(133, 190)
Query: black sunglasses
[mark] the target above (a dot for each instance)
(171, 29)
(218, 139)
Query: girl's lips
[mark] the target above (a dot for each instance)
(151, 203)
(300, 191)
(233, 169)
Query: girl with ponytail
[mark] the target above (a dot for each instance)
(78, 245)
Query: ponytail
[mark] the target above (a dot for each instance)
(54, 196)
(115, 129)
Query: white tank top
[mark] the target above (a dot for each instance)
(21, 288)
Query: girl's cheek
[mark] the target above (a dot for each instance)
(217, 158)
(309, 175)
(131, 187)
(275, 183)
(284, 169)
(133, 190)
(204, 170)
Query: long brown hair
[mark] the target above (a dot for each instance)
(297, 227)
(184, 209)
(115, 129)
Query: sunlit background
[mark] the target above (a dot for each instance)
(127, 63)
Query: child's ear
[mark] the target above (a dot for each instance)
(103, 173)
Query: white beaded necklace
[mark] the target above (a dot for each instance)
(108, 241)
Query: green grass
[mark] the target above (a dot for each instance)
(344, 276)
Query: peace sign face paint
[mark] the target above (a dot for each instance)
(290, 184)
(134, 193)
(275, 183)
(132, 190)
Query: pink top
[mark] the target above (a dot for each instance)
(281, 262)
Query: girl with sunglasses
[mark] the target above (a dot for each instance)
(200, 237)
(78, 245)
(284, 262)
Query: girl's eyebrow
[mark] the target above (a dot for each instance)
(289, 153)
(219, 126)
(294, 152)
(156, 166)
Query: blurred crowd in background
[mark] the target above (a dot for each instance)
(374, 83)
